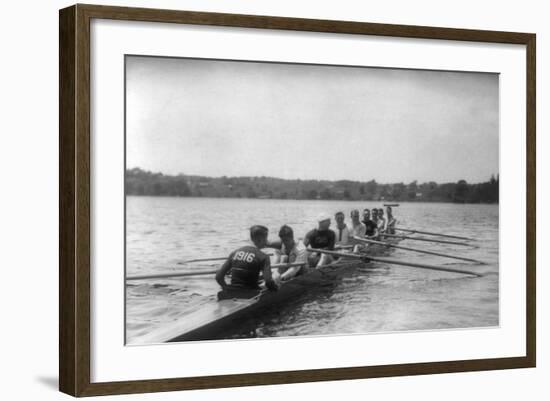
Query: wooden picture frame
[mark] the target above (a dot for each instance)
(74, 199)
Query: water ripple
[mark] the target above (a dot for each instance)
(366, 298)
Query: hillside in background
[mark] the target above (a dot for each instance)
(141, 182)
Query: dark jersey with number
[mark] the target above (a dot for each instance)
(321, 239)
(246, 264)
(371, 226)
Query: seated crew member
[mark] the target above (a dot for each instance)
(321, 237)
(370, 226)
(381, 220)
(390, 223)
(357, 229)
(291, 252)
(245, 265)
(342, 230)
(374, 218)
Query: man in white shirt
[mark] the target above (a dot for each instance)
(391, 222)
(358, 229)
(381, 221)
(291, 252)
(341, 230)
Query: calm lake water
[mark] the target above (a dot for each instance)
(162, 231)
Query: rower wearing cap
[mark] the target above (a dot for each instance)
(292, 251)
(342, 231)
(245, 265)
(321, 237)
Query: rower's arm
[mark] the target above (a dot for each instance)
(290, 272)
(222, 272)
(268, 278)
(275, 244)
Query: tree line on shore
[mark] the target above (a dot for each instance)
(145, 183)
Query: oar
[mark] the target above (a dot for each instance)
(444, 255)
(435, 234)
(394, 262)
(428, 240)
(199, 273)
(183, 262)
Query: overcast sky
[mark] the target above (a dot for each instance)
(215, 118)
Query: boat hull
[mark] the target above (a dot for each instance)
(217, 318)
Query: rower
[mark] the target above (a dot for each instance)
(371, 226)
(342, 231)
(391, 222)
(291, 252)
(374, 216)
(381, 220)
(245, 265)
(357, 229)
(321, 237)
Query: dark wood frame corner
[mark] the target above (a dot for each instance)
(74, 199)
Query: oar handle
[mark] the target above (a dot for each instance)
(343, 246)
(336, 253)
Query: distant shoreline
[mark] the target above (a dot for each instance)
(139, 182)
(305, 200)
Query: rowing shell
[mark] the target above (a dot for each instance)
(216, 317)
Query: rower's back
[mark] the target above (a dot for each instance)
(246, 264)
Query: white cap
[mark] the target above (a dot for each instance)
(323, 217)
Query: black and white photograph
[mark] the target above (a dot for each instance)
(269, 199)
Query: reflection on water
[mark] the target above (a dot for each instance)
(377, 297)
